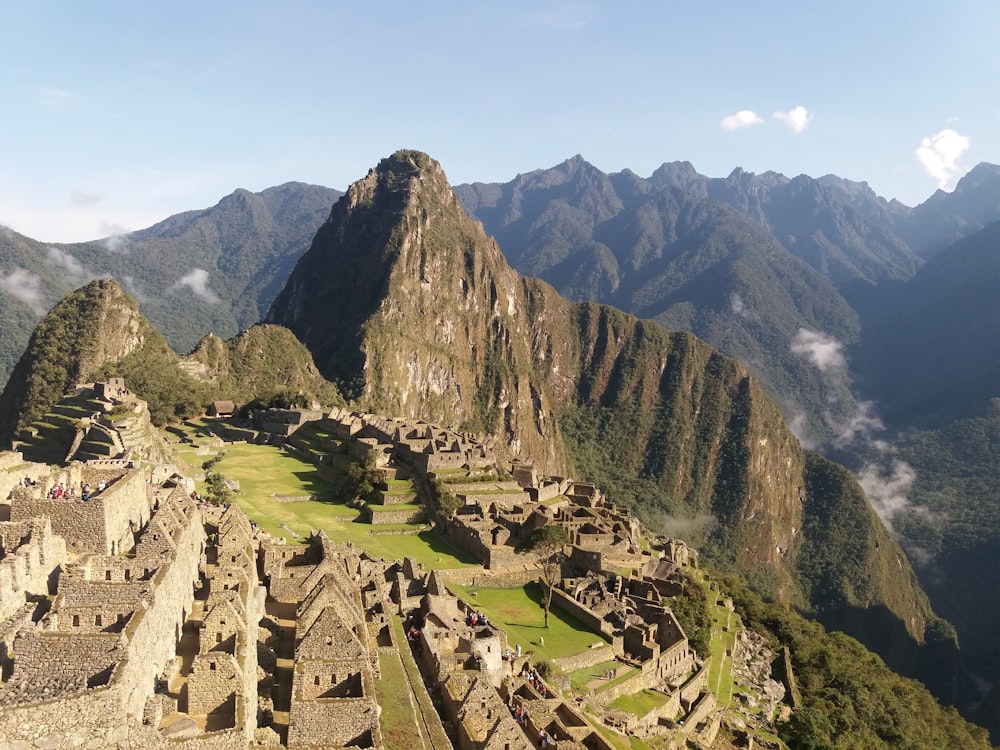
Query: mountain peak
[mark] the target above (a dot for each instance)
(978, 177)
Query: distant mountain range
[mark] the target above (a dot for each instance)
(209, 271)
(869, 323)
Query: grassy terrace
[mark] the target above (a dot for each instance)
(640, 703)
(519, 612)
(265, 472)
(397, 720)
(592, 678)
(725, 625)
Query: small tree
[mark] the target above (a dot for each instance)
(547, 542)
(363, 478)
(445, 503)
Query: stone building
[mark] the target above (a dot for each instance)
(90, 666)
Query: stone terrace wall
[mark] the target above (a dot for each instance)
(104, 524)
(586, 658)
(27, 567)
(13, 470)
(584, 614)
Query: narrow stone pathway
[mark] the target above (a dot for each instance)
(284, 665)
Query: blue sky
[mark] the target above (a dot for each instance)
(119, 114)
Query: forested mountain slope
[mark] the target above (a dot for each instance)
(214, 270)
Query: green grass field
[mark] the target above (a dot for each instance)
(592, 678)
(264, 472)
(397, 719)
(640, 703)
(519, 612)
(720, 673)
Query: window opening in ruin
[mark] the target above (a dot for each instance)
(211, 666)
(316, 680)
(218, 637)
(107, 575)
(98, 620)
(76, 621)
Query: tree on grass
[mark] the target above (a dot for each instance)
(445, 503)
(547, 542)
(363, 478)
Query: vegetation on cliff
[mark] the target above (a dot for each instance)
(98, 332)
(850, 698)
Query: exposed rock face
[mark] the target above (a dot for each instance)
(408, 306)
(91, 327)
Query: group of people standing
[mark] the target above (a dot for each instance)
(69, 492)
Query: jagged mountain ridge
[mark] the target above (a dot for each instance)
(213, 270)
(409, 306)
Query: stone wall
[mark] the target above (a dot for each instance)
(586, 658)
(334, 722)
(584, 614)
(213, 683)
(31, 554)
(13, 471)
(106, 523)
(403, 515)
(106, 713)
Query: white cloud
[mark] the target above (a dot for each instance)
(886, 488)
(859, 427)
(796, 119)
(25, 286)
(821, 349)
(75, 224)
(116, 240)
(742, 119)
(130, 286)
(197, 282)
(65, 260)
(798, 423)
(737, 305)
(939, 154)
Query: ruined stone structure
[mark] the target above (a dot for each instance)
(106, 522)
(30, 556)
(333, 691)
(88, 669)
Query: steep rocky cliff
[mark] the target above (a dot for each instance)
(408, 306)
(89, 328)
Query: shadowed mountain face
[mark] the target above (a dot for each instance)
(406, 304)
(215, 270)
